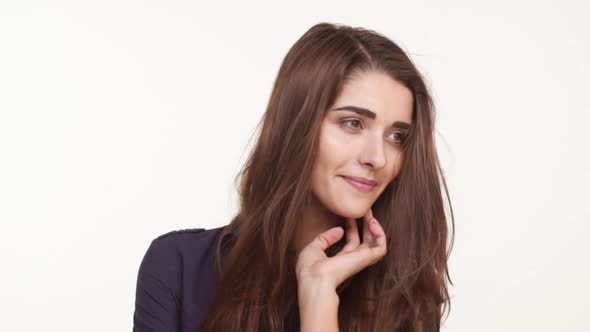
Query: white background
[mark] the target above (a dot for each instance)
(123, 120)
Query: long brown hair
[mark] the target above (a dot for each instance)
(405, 290)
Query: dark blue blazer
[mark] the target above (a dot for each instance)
(176, 281)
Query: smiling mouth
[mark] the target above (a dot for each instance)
(363, 187)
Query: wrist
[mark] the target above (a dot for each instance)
(317, 296)
(318, 308)
(317, 289)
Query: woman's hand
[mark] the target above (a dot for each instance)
(314, 267)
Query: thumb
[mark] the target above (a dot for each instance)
(326, 239)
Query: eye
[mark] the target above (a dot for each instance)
(358, 124)
(353, 121)
(401, 138)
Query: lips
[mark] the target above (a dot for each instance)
(361, 180)
(363, 185)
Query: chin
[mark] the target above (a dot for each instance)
(356, 210)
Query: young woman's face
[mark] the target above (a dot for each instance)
(361, 136)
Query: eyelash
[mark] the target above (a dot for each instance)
(400, 141)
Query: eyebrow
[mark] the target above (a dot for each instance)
(371, 115)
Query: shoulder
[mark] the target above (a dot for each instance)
(174, 276)
(176, 252)
(177, 240)
(182, 244)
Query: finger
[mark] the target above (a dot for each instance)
(354, 261)
(370, 221)
(378, 234)
(352, 236)
(367, 235)
(326, 239)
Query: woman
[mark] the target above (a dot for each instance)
(341, 224)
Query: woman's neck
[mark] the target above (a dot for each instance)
(315, 220)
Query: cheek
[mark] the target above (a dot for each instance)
(393, 168)
(333, 154)
(324, 166)
(334, 150)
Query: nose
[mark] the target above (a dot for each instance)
(373, 152)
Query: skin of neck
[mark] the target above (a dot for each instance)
(316, 218)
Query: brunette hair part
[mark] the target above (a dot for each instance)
(407, 288)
